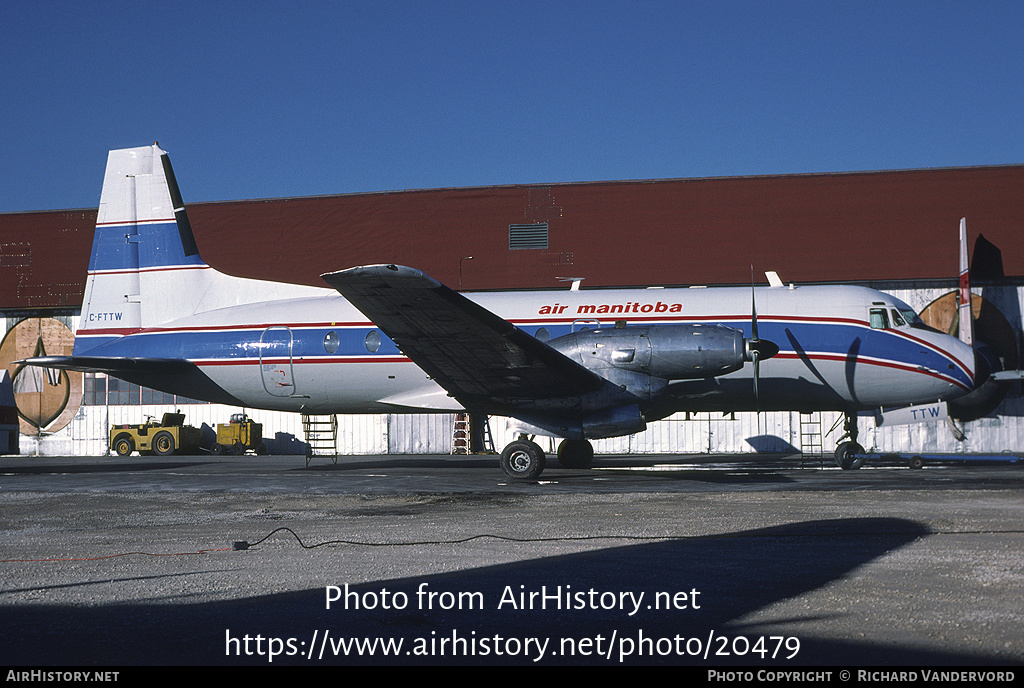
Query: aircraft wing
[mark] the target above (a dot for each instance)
(482, 360)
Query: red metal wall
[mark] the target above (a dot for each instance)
(899, 225)
(44, 258)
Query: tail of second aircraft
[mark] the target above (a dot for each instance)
(145, 269)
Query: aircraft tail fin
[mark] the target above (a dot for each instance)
(145, 270)
(144, 262)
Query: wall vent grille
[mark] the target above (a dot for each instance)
(528, 236)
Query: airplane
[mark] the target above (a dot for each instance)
(576, 365)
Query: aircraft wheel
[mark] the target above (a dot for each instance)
(124, 446)
(916, 462)
(575, 453)
(523, 460)
(845, 456)
(163, 443)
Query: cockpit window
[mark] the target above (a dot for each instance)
(902, 316)
(912, 317)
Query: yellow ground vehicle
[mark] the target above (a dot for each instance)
(240, 435)
(163, 439)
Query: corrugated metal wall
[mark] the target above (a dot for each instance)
(703, 433)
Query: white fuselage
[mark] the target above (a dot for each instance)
(318, 354)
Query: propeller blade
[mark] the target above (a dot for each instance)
(757, 376)
(753, 308)
(757, 348)
(964, 295)
(755, 343)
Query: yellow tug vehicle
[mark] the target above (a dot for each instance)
(167, 437)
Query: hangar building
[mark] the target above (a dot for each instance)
(892, 230)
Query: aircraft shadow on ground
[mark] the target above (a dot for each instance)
(735, 574)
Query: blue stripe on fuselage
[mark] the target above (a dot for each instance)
(236, 345)
(240, 345)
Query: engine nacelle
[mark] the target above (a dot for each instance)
(668, 352)
(640, 362)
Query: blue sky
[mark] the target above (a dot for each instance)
(258, 100)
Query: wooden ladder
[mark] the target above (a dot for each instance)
(462, 439)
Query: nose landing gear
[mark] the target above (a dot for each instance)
(849, 454)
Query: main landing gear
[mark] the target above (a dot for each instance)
(575, 453)
(849, 454)
(523, 458)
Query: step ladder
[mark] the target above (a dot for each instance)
(462, 438)
(321, 437)
(811, 443)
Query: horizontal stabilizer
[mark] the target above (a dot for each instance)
(171, 375)
(96, 364)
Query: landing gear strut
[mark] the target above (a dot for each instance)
(849, 454)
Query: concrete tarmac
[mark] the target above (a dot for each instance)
(640, 560)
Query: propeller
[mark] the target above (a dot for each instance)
(990, 382)
(757, 348)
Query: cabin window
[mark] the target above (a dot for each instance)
(879, 319)
(372, 341)
(331, 342)
(543, 334)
